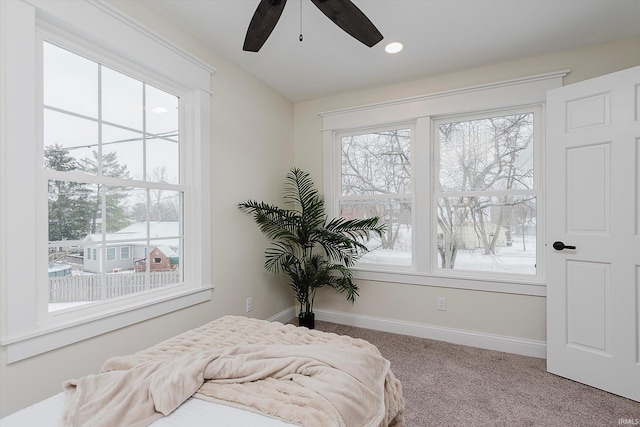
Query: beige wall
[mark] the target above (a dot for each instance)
(486, 312)
(252, 151)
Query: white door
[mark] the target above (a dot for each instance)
(593, 203)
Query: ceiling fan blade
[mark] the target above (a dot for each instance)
(347, 16)
(262, 24)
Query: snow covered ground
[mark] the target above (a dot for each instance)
(508, 259)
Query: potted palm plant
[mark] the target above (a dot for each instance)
(311, 249)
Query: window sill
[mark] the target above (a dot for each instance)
(52, 336)
(507, 285)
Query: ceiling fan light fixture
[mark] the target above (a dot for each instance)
(393, 47)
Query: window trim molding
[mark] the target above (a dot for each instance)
(24, 330)
(518, 287)
(86, 327)
(422, 110)
(530, 87)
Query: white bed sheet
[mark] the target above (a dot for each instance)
(193, 413)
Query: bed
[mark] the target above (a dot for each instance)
(233, 371)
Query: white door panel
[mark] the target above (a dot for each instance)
(588, 184)
(588, 287)
(593, 203)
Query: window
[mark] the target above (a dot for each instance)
(485, 195)
(107, 129)
(375, 180)
(111, 254)
(112, 162)
(484, 208)
(456, 178)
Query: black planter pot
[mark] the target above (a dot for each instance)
(307, 319)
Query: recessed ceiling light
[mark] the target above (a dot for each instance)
(393, 47)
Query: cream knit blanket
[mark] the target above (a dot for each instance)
(304, 377)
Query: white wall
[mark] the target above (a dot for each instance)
(414, 307)
(252, 152)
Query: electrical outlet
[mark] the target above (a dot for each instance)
(249, 304)
(442, 303)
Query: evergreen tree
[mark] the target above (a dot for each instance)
(115, 212)
(69, 201)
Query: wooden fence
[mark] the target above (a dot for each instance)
(94, 288)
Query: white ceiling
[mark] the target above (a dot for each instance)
(439, 35)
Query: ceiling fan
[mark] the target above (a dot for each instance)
(343, 13)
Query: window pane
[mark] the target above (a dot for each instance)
(376, 163)
(121, 99)
(71, 209)
(395, 245)
(163, 160)
(162, 113)
(69, 285)
(117, 202)
(494, 234)
(136, 207)
(123, 153)
(70, 82)
(487, 154)
(165, 205)
(67, 140)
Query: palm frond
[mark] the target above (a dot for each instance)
(344, 240)
(280, 255)
(301, 192)
(274, 222)
(358, 228)
(344, 281)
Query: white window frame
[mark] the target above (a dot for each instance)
(28, 328)
(422, 111)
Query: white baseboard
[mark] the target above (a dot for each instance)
(284, 316)
(506, 344)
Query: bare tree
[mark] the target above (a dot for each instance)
(163, 205)
(485, 155)
(480, 162)
(374, 164)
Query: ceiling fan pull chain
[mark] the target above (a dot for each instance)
(300, 38)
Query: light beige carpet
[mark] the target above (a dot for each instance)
(452, 385)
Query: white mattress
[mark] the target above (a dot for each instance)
(193, 413)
